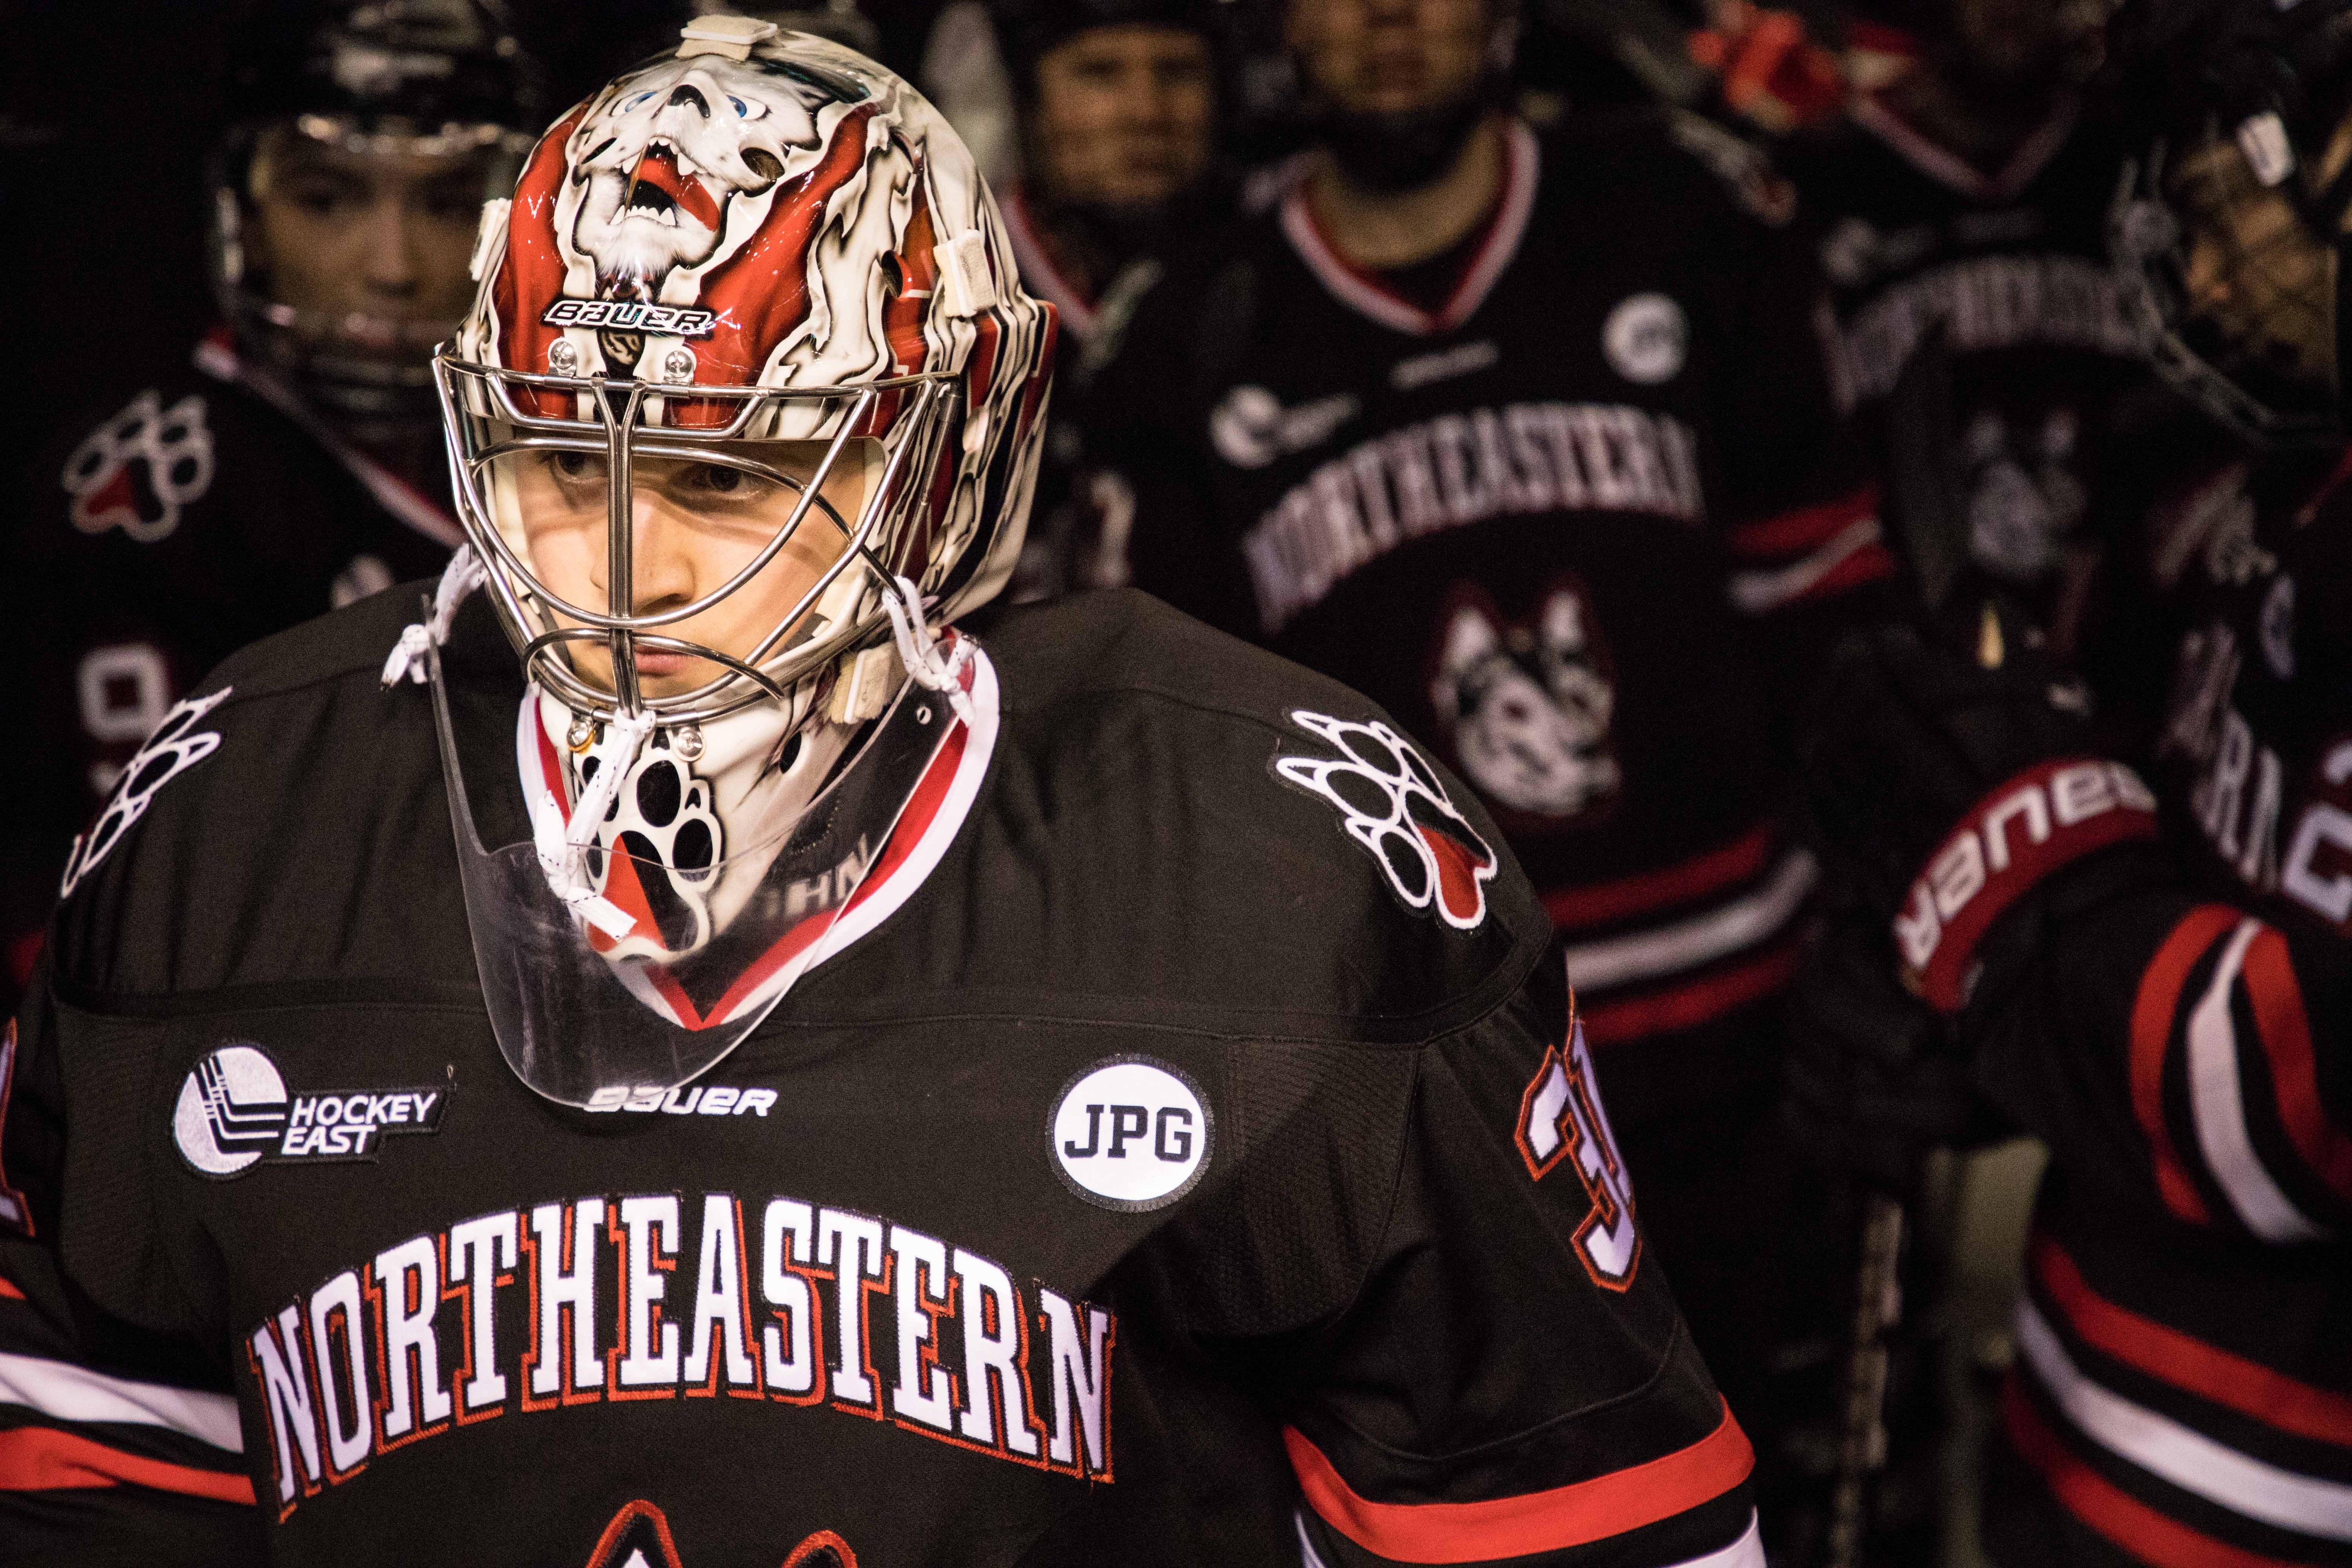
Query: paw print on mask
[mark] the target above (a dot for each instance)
(1392, 801)
(656, 854)
(139, 469)
(174, 748)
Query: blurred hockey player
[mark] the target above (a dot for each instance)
(1958, 211)
(2148, 961)
(182, 508)
(1492, 425)
(682, 1056)
(1960, 214)
(1116, 102)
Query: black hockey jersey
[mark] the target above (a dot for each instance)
(1078, 523)
(1194, 1162)
(2004, 276)
(2183, 1387)
(168, 526)
(1540, 519)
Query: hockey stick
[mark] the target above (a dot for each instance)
(1861, 1437)
(1924, 485)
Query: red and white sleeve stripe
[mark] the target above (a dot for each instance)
(73, 1427)
(2225, 1085)
(1809, 554)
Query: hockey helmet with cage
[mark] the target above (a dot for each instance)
(763, 259)
(2229, 231)
(442, 80)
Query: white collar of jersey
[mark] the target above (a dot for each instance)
(1523, 163)
(1949, 168)
(1038, 272)
(218, 360)
(934, 813)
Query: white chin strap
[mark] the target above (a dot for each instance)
(919, 651)
(563, 849)
(463, 576)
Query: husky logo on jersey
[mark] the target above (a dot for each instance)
(234, 1111)
(1561, 1116)
(1527, 705)
(639, 1537)
(2024, 498)
(139, 469)
(1131, 1134)
(170, 751)
(1392, 801)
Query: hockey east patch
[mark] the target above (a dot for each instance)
(1392, 804)
(236, 1112)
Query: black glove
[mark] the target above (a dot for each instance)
(1945, 783)
(1874, 1077)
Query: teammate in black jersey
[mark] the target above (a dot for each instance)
(1115, 101)
(180, 509)
(2156, 977)
(764, 1079)
(1495, 427)
(1959, 213)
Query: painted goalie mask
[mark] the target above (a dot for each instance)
(747, 410)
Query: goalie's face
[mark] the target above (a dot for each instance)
(693, 526)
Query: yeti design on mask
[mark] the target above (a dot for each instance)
(673, 149)
(1528, 705)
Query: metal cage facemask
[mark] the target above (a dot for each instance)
(495, 417)
(2234, 371)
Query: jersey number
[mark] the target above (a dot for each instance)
(1560, 1118)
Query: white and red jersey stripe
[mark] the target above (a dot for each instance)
(69, 1426)
(2182, 1389)
(1365, 292)
(1691, 942)
(2172, 1449)
(934, 813)
(1807, 554)
(2225, 1085)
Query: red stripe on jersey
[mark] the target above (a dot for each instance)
(9, 1291)
(36, 1458)
(2105, 1508)
(1807, 528)
(1572, 907)
(1687, 1006)
(2153, 1011)
(1872, 564)
(2207, 1371)
(2285, 1032)
(1573, 1515)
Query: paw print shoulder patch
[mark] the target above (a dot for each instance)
(175, 746)
(1392, 802)
(138, 469)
